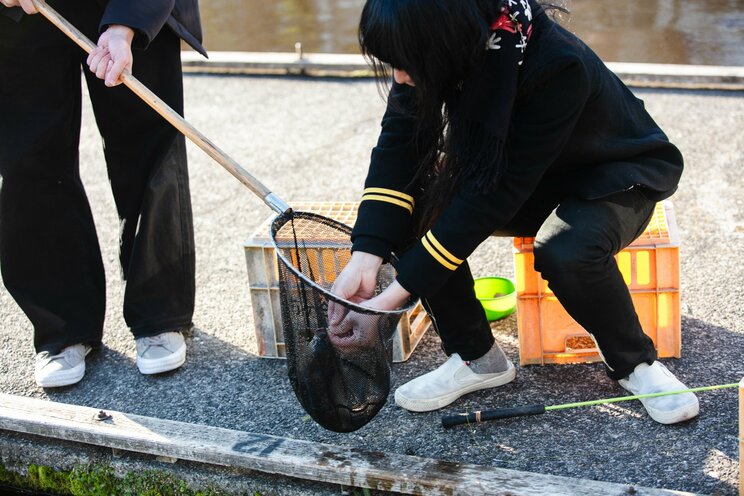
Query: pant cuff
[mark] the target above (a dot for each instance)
(153, 329)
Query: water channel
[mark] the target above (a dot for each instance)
(706, 32)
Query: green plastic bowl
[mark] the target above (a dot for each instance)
(497, 295)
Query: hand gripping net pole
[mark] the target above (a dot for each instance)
(340, 370)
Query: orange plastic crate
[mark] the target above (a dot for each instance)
(650, 267)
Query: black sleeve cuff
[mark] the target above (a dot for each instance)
(420, 274)
(147, 19)
(15, 13)
(372, 245)
(383, 221)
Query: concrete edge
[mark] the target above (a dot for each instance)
(355, 66)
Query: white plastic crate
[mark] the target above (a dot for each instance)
(263, 278)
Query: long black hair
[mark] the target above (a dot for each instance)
(438, 43)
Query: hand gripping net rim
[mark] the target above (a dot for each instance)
(281, 220)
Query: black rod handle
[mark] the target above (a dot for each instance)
(498, 413)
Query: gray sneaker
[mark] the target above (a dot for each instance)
(63, 369)
(161, 353)
(656, 378)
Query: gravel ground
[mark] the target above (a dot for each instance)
(309, 139)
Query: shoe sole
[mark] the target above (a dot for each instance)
(431, 404)
(679, 415)
(63, 378)
(165, 364)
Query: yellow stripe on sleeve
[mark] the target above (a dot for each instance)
(388, 199)
(442, 249)
(390, 192)
(436, 255)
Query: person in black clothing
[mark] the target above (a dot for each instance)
(49, 252)
(499, 121)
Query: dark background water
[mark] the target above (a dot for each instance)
(707, 32)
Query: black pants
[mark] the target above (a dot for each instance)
(575, 244)
(49, 253)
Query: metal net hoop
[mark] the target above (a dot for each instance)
(339, 365)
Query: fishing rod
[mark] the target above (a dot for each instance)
(500, 413)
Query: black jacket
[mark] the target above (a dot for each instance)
(574, 126)
(147, 18)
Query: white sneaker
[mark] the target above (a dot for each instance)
(442, 386)
(161, 353)
(656, 378)
(63, 369)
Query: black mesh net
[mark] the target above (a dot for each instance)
(340, 368)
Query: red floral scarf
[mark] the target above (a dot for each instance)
(480, 121)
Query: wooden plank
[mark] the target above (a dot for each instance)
(283, 456)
